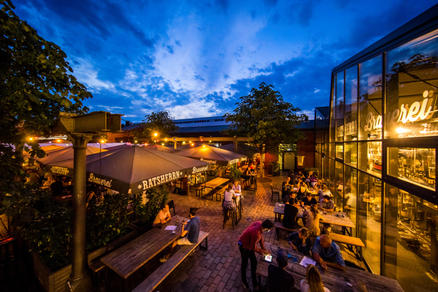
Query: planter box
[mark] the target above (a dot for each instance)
(56, 281)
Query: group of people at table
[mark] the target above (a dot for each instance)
(305, 198)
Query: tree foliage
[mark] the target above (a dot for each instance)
(36, 85)
(264, 116)
(159, 122)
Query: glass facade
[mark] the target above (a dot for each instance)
(381, 157)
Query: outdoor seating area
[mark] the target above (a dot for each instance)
(311, 205)
(204, 146)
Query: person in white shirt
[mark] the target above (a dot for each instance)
(238, 193)
(229, 197)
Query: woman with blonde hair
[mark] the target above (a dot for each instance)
(313, 282)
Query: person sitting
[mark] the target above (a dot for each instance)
(290, 215)
(327, 253)
(300, 241)
(309, 200)
(324, 191)
(189, 233)
(278, 278)
(312, 282)
(311, 217)
(163, 216)
(327, 204)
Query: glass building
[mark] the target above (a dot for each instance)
(380, 156)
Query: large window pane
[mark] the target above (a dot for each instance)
(350, 150)
(370, 99)
(351, 104)
(332, 112)
(412, 83)
(350, 194)
(410, 240)
(339, 107)
(369, 221)
(339, 151)
(339, 184)
(416, 165)
(332, 175)
(370, 157)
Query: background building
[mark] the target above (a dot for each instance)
(381, 159)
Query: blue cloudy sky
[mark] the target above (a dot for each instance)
(196, 58)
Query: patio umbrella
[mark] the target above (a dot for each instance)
(136, 168)
(159, 147)
(211, 154)
(66, 154)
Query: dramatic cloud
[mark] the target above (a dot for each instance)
(196, 58)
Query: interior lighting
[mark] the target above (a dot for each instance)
(401, 130)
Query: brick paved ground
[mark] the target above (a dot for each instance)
(218, 268)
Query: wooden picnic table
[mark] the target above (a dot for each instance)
(130, 257)
(332, 218)
(214, 183)
(333, 279)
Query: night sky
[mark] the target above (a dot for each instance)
(196, 58)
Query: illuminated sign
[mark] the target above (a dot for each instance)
(199, 169)
(417, 111)
(100, 181)
(158, 180)
(59, 170)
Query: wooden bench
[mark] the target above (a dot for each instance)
(354, 244)
(161, 273)
(279, 227)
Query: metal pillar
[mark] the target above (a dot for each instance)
(235, 143)
(79, 279)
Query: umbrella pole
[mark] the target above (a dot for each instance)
(79, 279)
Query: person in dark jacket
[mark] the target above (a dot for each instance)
(279, 280)
(290, 215)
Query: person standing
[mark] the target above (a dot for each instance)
(238, 193)
(248, 241)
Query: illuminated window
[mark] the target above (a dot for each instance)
(412, 87)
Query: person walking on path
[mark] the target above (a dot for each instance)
(248, 241)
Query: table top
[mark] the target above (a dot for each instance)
(333, 279)
(215, 182)
(356, 241)
(341, 220)
(130, 257)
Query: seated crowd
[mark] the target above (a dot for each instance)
(305, 198)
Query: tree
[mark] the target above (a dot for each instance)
(160, 123)
(264, 116)
(36, 85)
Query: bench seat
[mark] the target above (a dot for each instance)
(279, 227)
(161, 273)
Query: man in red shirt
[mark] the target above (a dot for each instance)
(248, 241)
